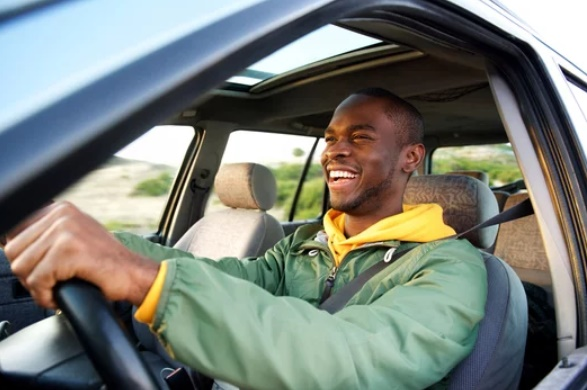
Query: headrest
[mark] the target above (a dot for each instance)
(479, 175)
(246, 186)
(466, 202)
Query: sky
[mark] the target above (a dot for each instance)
(560, 23)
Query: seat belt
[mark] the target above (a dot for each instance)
(339, 299)
(522, 209)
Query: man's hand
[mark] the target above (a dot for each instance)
(60, 242)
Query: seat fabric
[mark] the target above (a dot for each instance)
(465, 201)
(497, 358)
(519, 243)
(244, 229)
(501, 196)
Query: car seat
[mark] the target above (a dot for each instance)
(500, 196)
(519, 243)
(497, 358)
(244, 228)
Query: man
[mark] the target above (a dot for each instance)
(255, 322)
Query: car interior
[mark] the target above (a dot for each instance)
(453, 88)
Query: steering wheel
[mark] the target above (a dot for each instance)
(117, 361)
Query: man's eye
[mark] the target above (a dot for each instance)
(362, 137)
(329, 139)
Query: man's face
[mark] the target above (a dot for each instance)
(360, 160)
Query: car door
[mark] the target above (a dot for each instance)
(92, 94)
(570, 372)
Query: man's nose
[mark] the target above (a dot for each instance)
(339, 149)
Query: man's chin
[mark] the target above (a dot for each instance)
(344, 207)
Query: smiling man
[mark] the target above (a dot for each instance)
(256, 322)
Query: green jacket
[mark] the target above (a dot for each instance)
(406, 328)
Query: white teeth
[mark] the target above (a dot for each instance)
(343, 174)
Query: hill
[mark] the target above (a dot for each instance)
(107, 195)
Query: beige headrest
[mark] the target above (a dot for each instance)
(466, 202)
(246, 186)
(479, 175)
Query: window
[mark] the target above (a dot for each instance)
(286, 156)
(497, 161)
(129, 192)
(304, 51)
(311, 198)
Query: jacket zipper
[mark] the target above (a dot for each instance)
(329, 283)
(334, 270)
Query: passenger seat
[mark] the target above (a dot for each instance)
(500, 196)
(497, 359)
(245, 228)
(519, 243)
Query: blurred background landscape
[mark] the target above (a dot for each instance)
(130, 195)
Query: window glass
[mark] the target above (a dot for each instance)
(285, 155)
(311, 197)
(304, 51)
(581, 97)
(129, 192)
(497, 161)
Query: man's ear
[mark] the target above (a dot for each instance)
(414, 154)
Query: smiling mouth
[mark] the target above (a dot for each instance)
(339, 176)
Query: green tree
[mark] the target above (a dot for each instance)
(298, 152)
(285, 192)
(288, 176)
(498, 161)
(287, 171)
(310, 200)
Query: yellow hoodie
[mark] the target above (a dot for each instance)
(417, 223)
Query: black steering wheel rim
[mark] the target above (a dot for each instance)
(116, 360)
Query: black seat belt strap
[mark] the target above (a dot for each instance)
(522, 209)
(339, 299)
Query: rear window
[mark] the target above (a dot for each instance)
(497, 161)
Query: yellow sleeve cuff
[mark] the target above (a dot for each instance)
(146, 311)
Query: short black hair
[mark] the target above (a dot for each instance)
(409, 119)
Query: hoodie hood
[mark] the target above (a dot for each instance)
(417, 223)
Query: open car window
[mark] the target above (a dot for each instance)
(286, 156)
(129, 192)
